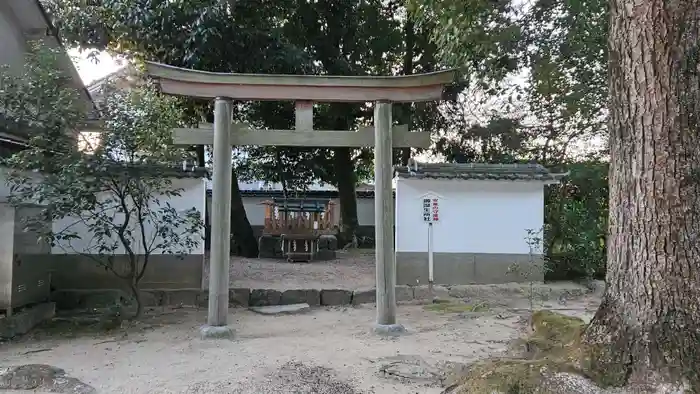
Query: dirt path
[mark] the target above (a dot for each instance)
(351, 270)
(326, 351)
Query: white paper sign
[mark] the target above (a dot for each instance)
(431, 210)
(427, 210)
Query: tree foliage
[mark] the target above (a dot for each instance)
(292, 37)
(576, 222)
(537, 92)
(103, 195)
(546, 57)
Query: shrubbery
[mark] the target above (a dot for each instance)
(576, 215)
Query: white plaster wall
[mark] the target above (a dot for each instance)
(475, 216)
(255, 210)
(365, 211)
(193, 196)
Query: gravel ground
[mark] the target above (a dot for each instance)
(351, 270)
(325, 351)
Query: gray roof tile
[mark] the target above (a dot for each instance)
(477, 171)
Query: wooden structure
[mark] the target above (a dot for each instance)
(299, 223)
(304, 90)
(299, 216)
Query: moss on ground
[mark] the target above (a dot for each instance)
(556, 337)
(508, 376)
(554, 345)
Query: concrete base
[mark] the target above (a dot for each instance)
(216, 332)
(164, 271)
(390, 330)
(468, 268)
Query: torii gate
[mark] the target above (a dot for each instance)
(304, 90)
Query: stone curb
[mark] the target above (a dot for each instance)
(245, 297)
(23, 321)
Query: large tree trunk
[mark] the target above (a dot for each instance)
(346, 179)
(648, 326)
(244, 242)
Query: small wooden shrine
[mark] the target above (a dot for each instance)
(299, 223)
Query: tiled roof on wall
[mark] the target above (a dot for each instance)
(477, 171)
(308, 194)
(159, 170)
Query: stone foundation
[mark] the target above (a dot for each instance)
(468, 268)
(245, 297)
(70, 271)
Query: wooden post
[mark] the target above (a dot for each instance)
(220, 229)
(330, 214)
(384, 222)
(268, 224)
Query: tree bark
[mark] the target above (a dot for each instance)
(346, 179)
(648, 327)
(244, 242)
(136, 293)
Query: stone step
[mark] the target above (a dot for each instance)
(292, 309)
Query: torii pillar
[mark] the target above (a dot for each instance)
(304, 90)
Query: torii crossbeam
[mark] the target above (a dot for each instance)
(304, 90)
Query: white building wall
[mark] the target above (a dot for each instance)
(12, 46)
(255, 210)
(365, 211)
(475, 216)
(193, 195)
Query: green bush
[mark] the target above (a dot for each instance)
(576, 214)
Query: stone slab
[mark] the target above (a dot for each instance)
(336, 297)
(302, 296)
(291, 309)
(265, 297)
(366, 296)
(23, 321)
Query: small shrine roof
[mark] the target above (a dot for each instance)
(477, 171)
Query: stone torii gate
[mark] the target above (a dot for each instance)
(304, 90)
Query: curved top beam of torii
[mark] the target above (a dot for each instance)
(318, 88)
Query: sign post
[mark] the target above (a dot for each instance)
(431, 214)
